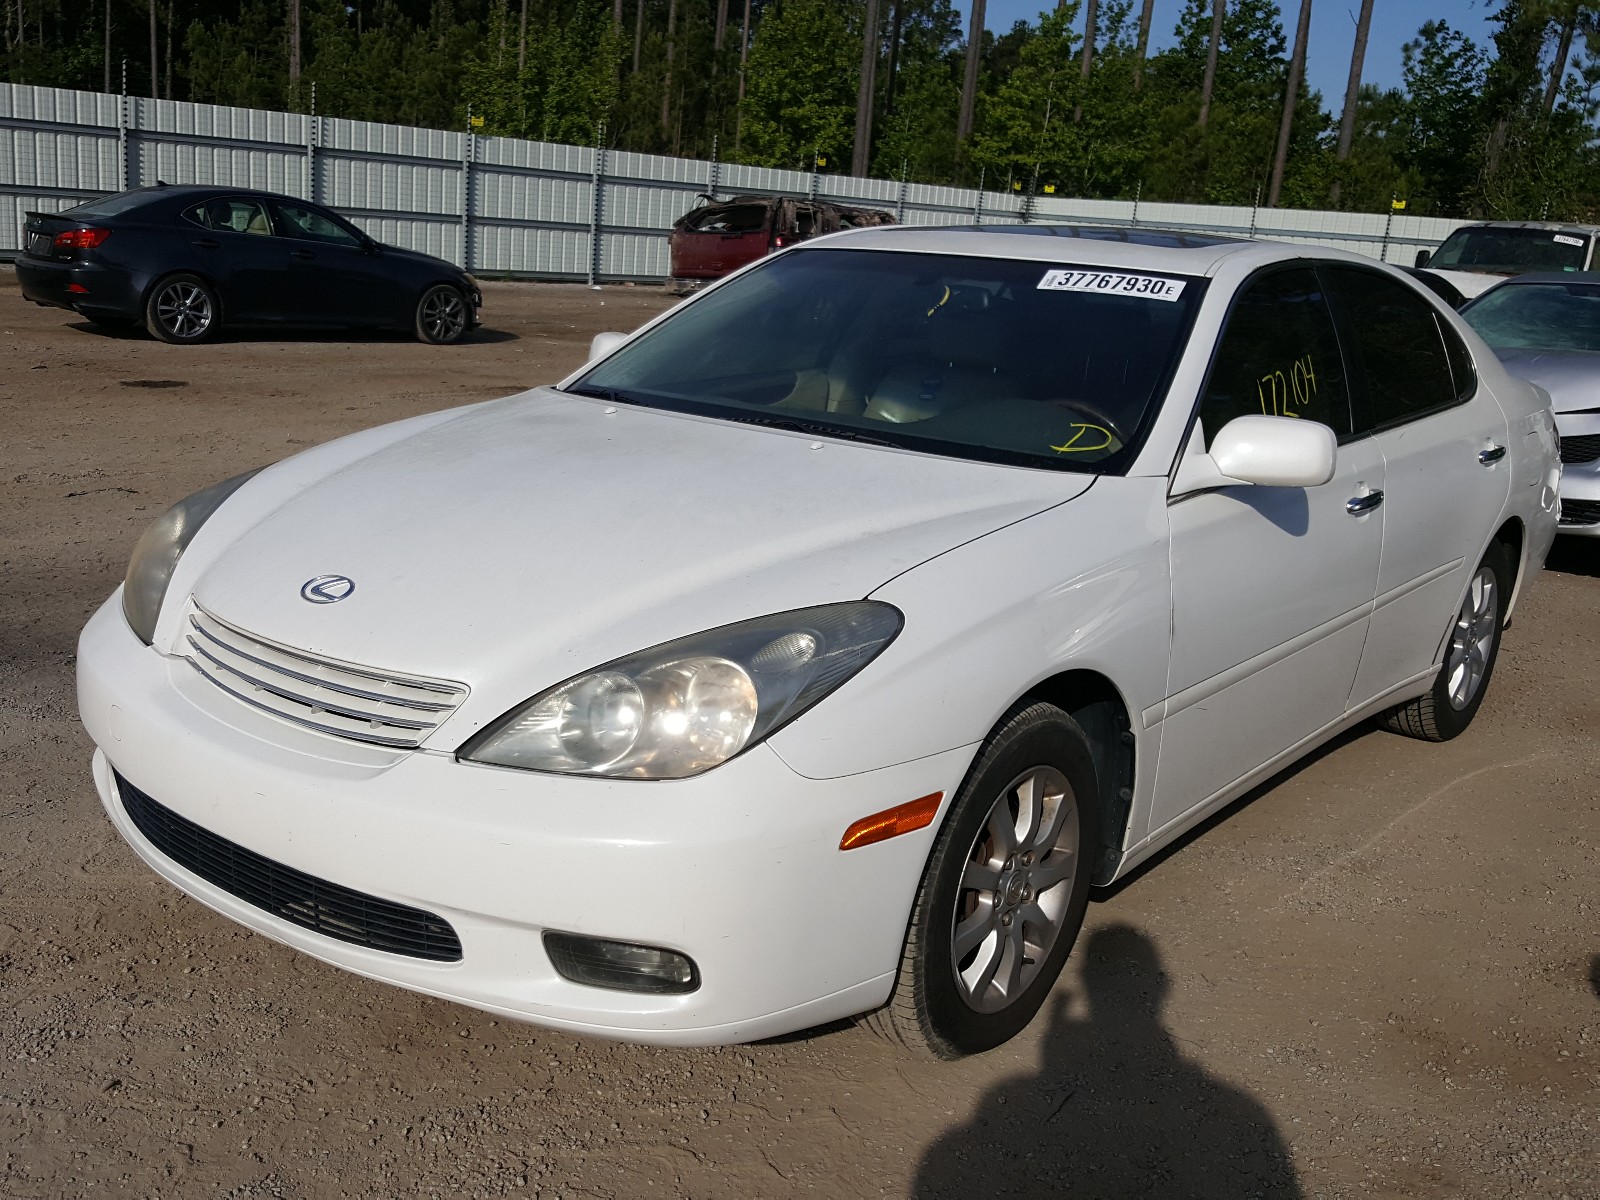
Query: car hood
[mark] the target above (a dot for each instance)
(1572, 377)
(513, 544)
(1471, 283)
(418, 256)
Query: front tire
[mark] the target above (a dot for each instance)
(1004, 892)
(182, 309)
(1469, 657)
(442, 315)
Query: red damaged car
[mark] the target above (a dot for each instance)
(719, 238)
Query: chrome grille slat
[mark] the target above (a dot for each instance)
(331, 697)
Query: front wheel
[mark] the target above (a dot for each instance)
(181, 309)
(1469, 657)
(1004, 892)
(442, 316)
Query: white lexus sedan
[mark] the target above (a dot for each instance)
(814, 649)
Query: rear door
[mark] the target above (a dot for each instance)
(1443, 440)
(233, 244)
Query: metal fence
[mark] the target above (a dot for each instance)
(506, 207)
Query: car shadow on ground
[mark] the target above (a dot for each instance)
(259, 334)
(1116, 1108)
(1575, 556)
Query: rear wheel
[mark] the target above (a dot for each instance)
(1469, 657)
(442, 316)
(1004, 892)
(182, 309)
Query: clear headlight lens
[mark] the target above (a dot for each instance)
(157, 553)
(683, 707)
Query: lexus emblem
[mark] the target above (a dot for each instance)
(327, 589)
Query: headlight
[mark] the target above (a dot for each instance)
(683, 707)
(158, 551)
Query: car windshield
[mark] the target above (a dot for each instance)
(1538, 316)
(982, 358)
(1510, 251)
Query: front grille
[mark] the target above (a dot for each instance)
(304, 900)
(1580, 512)
(1582, 449)
(363, 704)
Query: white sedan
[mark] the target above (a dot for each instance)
(813, 650)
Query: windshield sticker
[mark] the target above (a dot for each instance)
(1112, 283)
(1085, 438)
(1568, 240)
(1283, 394)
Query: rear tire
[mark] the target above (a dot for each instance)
(1471, 650)
(1004, 892)
(443, 315)
(182, 309)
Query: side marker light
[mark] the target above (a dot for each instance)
(892, 822)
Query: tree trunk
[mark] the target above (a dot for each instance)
(1143, 45)
(1558, 69)
(969, 76)
(896, 21)
(294, 53)
(638, 33)
(1297, 66)
(1352, 89)
(522, 34)
(666, 84)
(616, 15)
(866, 92)
(155, 73)
(1211, 61)
(722, 25)
(108, 45)
(1086, 60)
(172, 19)
(744, 58)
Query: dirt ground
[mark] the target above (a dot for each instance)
(1377, 976)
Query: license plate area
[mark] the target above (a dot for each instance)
(38, 244)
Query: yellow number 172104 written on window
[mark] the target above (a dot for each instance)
(1284, 394)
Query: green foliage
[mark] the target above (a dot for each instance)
(801, 98)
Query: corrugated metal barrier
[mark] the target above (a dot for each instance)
(505, 207)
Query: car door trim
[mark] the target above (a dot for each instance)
(1421, 581)
(1206, 688)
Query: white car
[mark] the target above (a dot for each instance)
(812, 651)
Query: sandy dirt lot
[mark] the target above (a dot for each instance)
(1377, 976)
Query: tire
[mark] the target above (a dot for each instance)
(182, 309)
(443, 316)
(949, 1002)
(1471, 650)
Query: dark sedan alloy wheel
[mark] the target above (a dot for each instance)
(441, 315)
(181, 309)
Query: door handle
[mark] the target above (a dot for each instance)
(1357, 505)
(207, 243)
(1492, 455)
(301, 254)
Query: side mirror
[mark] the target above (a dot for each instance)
(1265, 451)
(1422, 258)
(603, 344)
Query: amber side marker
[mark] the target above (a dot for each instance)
(892, 822)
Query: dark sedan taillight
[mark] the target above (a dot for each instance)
(86, 238)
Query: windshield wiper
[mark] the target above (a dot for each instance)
(815, 428)
(603, 393)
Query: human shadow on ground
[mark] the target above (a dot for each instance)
(1116, 1109)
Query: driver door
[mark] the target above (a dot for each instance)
(1271, 586)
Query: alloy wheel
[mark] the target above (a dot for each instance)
(444, 315)
(184, 310)
(1472, 639)
(1015, 889)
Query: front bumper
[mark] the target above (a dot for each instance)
(1580, 481)
(106, 290)
(738, 868)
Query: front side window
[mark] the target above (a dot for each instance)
(1510, 251)
(231, 216)
(307, 224)
(991, 359)
(1397, 352)
(1538, 316)
(1279, 357)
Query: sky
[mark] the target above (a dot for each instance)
(1333, 33)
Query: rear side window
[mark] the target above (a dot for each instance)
(1397, 351)
(231, 216)
(1279, 357)
(745, 218)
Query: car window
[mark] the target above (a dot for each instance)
(307, 224)
(1279, 357)
(1397, 352)
(231, 216)
(1538, 316)
(1511, 250)
(744, 218)
(992, 359)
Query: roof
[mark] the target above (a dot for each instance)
(1552, 226)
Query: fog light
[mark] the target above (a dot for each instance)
(621, 966)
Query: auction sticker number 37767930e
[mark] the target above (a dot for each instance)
(1151, 287)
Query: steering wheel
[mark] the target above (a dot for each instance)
(1098, 417)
